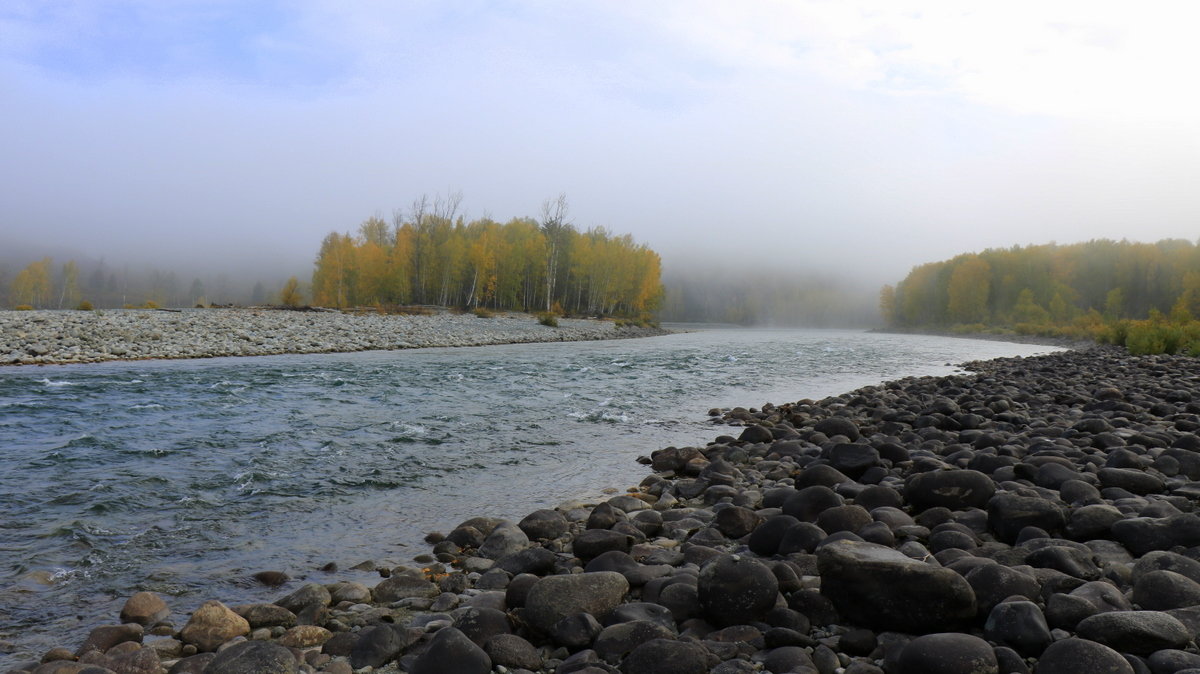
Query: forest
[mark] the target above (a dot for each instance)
(47, 284)
(1145, 296)
(429, 255)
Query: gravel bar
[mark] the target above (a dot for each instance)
(55, 337)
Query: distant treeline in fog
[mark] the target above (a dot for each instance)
(429, 255)
(1142, 295)
(48, 284)
(708, 294)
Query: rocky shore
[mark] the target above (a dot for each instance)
(46, 337)
(1035, 515)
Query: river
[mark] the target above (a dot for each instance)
(185, 477)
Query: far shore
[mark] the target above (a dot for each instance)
(63, 337)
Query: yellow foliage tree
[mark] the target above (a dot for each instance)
(32, 285)
(290, 295)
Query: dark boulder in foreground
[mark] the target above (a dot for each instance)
(736, 590)
(254, 657)
(451, 652)
(876, 586)
(953, 489)
(1080, 656)
(948, 653)
(1140, 632)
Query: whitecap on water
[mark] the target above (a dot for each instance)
(52, 383)
(147, 406)
(414, 429)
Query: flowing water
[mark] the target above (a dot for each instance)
(185, 477)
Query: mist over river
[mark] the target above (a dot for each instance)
(185, 477)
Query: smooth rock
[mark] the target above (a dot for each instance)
(555, 597)
(1080, 656)
(212, 625)
(1140, 632)
(253, 657)
(948, 653)
(451, 652)
(882, 588)
(736, 590)
(144, 608)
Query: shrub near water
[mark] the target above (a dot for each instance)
(548, 319)
(1151, 336)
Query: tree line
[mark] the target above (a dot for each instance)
(430, 255)
(1100, 289)
(45, 284)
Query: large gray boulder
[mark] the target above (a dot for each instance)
(555, 597)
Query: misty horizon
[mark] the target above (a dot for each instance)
(851, 141)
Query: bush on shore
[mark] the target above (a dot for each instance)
(548, 319)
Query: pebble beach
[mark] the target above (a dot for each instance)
(46, 337)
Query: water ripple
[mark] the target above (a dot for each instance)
(184, 477)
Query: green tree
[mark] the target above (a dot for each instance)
(1028, 310)
(1114, 304)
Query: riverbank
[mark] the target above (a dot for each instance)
(1029, 516)
(58, 337)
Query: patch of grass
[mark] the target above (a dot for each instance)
(482, 312)
(548, 319)
(23, 307)
(85, 306)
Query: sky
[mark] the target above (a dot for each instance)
(854, 138)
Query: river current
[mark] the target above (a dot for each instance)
(186, 477)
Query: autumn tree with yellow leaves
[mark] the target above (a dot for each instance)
(430, 255)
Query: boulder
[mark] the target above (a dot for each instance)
(1142, 535)
(254, 657)
(665, 656)
(555, 597)
(878, 587)
(379, 645)
(309, 594)
(505, 539)
(212, 625)
(953, 489)
(948, 653)
(403, 586)
(1139, 632)
(1020, 625)
(512, 651)
(106, 636)
(144, 608)
(1165, 590)
(616, 641)
(544, 524)
(838, 426)
(735, 590)
(451, 652)
(1080, 656)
